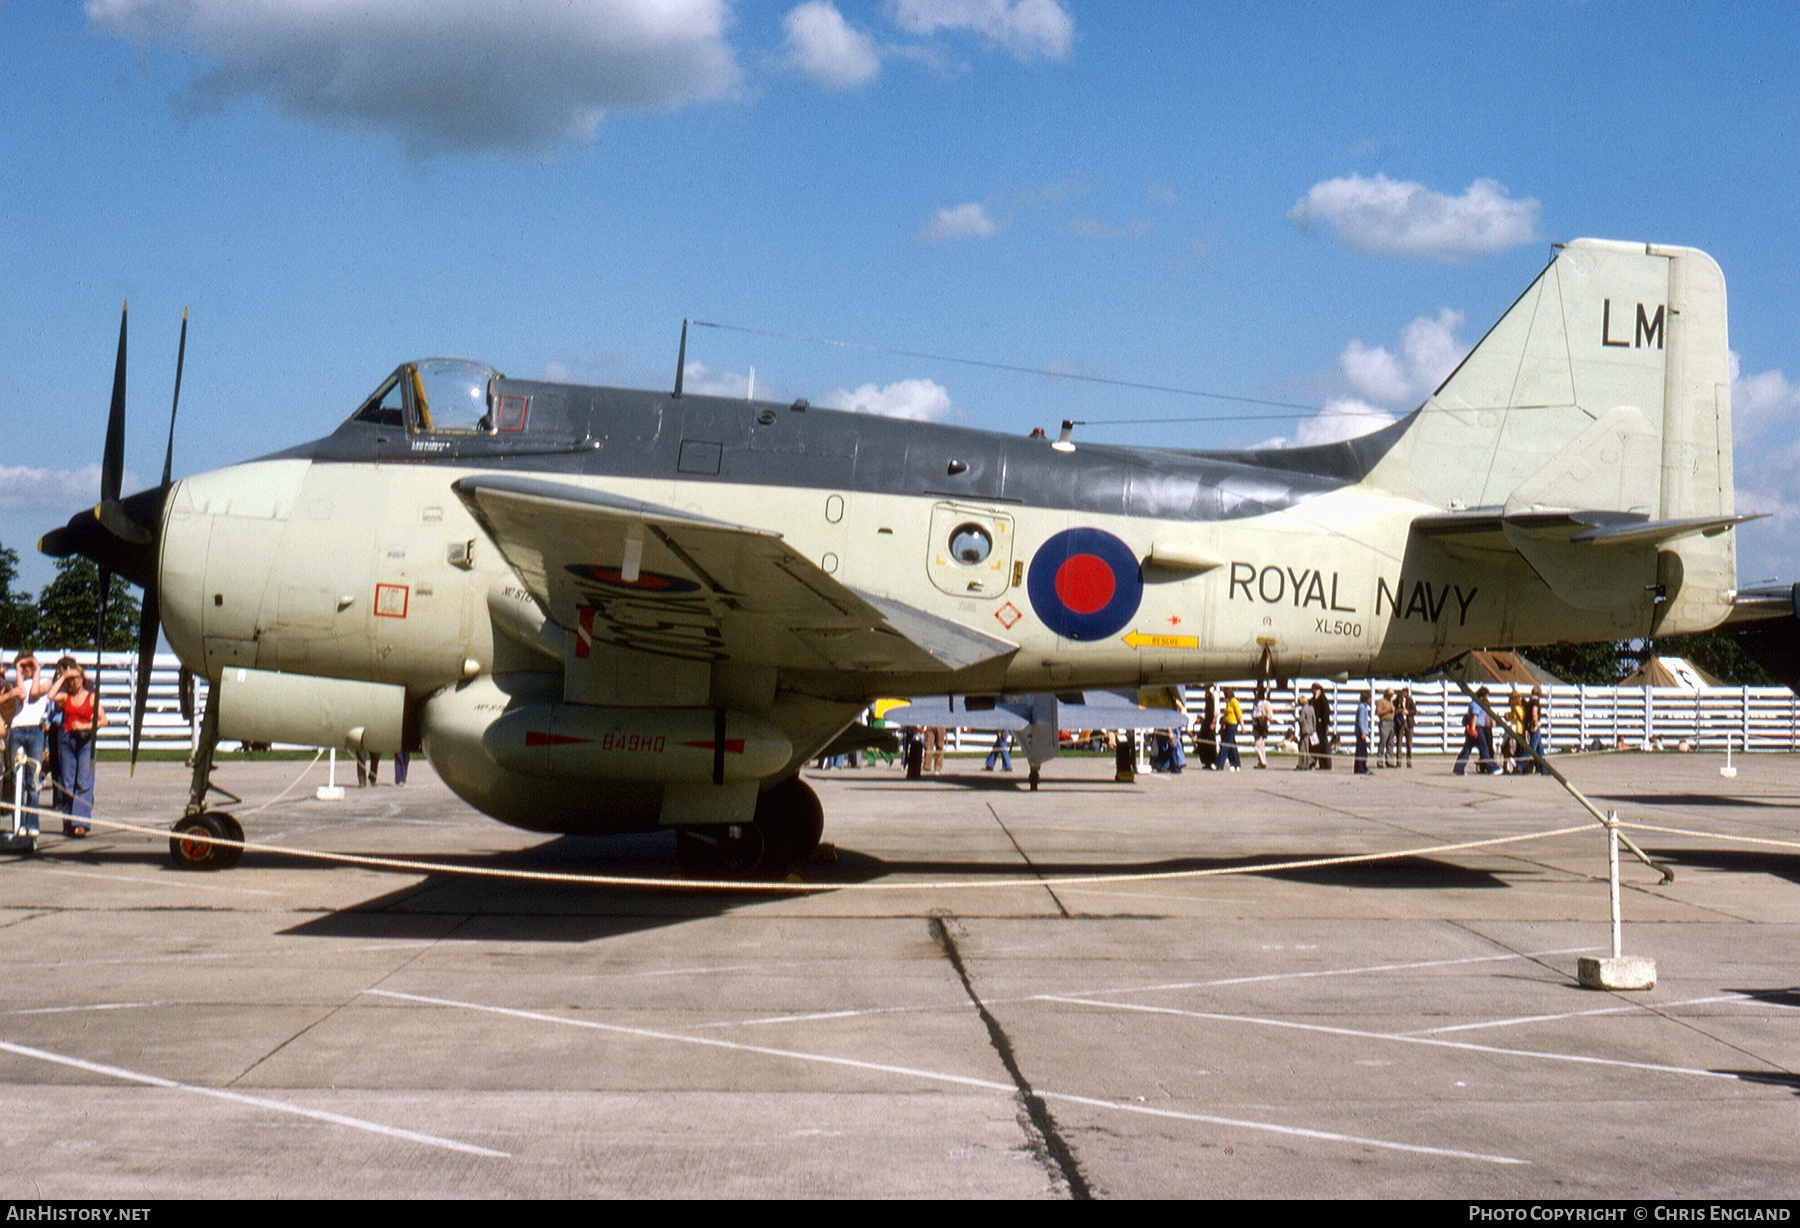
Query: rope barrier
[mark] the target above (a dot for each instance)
(793, 887)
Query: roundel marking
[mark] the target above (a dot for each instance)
(1084, 584)
(646, 582)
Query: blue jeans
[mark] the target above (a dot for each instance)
(31, 738)
(75, 774)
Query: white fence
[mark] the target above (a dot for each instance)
(1578, 717)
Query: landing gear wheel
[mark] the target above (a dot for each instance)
(728, 850)
(191, 850)
(792, 820)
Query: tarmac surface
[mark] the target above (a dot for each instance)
(1012, 994)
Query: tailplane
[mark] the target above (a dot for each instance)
(1590, 432)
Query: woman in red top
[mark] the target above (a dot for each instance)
(82, 715)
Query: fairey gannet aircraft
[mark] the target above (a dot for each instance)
(600, 610)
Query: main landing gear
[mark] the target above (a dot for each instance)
(191, 844)
(785, 831)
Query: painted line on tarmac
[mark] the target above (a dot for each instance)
(935, 1076)
(1180, 985)
(98, 1006)
(1598, 1010)
(1319, 972)
(185, 883)
(1398, 1037)
(260, 1102)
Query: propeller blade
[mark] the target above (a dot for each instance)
(148, 627)
(100, 621)
(180, 358)
(112, 464)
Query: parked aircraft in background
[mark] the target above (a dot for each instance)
(600, 610)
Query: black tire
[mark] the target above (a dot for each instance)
(792, 820)
(190, 853)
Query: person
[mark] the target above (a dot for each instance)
(1363, 714)
(367, 769)
(1384, 719)
(52, 738)
(1307, 720)
(1262, 719)
(83, 716)
(1228, 730)
(28, 703)
(402, 761)
(1534, 726)
(934, 749)
(1515, 734)
(1406, 716)
(1002, 751)
(1477, 733)
(1206, 742)
(1321, 706)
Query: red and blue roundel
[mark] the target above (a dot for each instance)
(1084, 584)
(646, 582)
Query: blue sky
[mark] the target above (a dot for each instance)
(1321, 204)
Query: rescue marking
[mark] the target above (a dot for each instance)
(1008, 615)
(1137, 639)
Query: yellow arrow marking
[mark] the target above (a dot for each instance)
(1138, 639)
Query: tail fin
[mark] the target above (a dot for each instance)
(1596, 413)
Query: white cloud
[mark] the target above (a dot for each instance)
(1027, 28)
(969, 221)
(702, 380)
(920, 400)
(1339, 420)
(1408, 219)
(1760, 401)
(26, 488)
(520, 78)
(824, 46)
(1429, 351)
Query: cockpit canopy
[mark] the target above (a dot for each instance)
(439, 396)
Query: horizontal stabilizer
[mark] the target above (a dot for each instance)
(1485, 529)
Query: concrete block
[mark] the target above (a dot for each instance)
(1624, 972)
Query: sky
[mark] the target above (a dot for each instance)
(1313, 208)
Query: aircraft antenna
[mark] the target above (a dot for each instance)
(681, 358)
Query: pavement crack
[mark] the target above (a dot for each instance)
(1026, 858)
(1048, 1143)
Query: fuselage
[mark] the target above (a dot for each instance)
(351, 557)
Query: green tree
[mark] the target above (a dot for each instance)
(18, 614)
(1584, 664)
(1716, 652)
(67, 605)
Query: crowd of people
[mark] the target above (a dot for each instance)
(50, 727)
